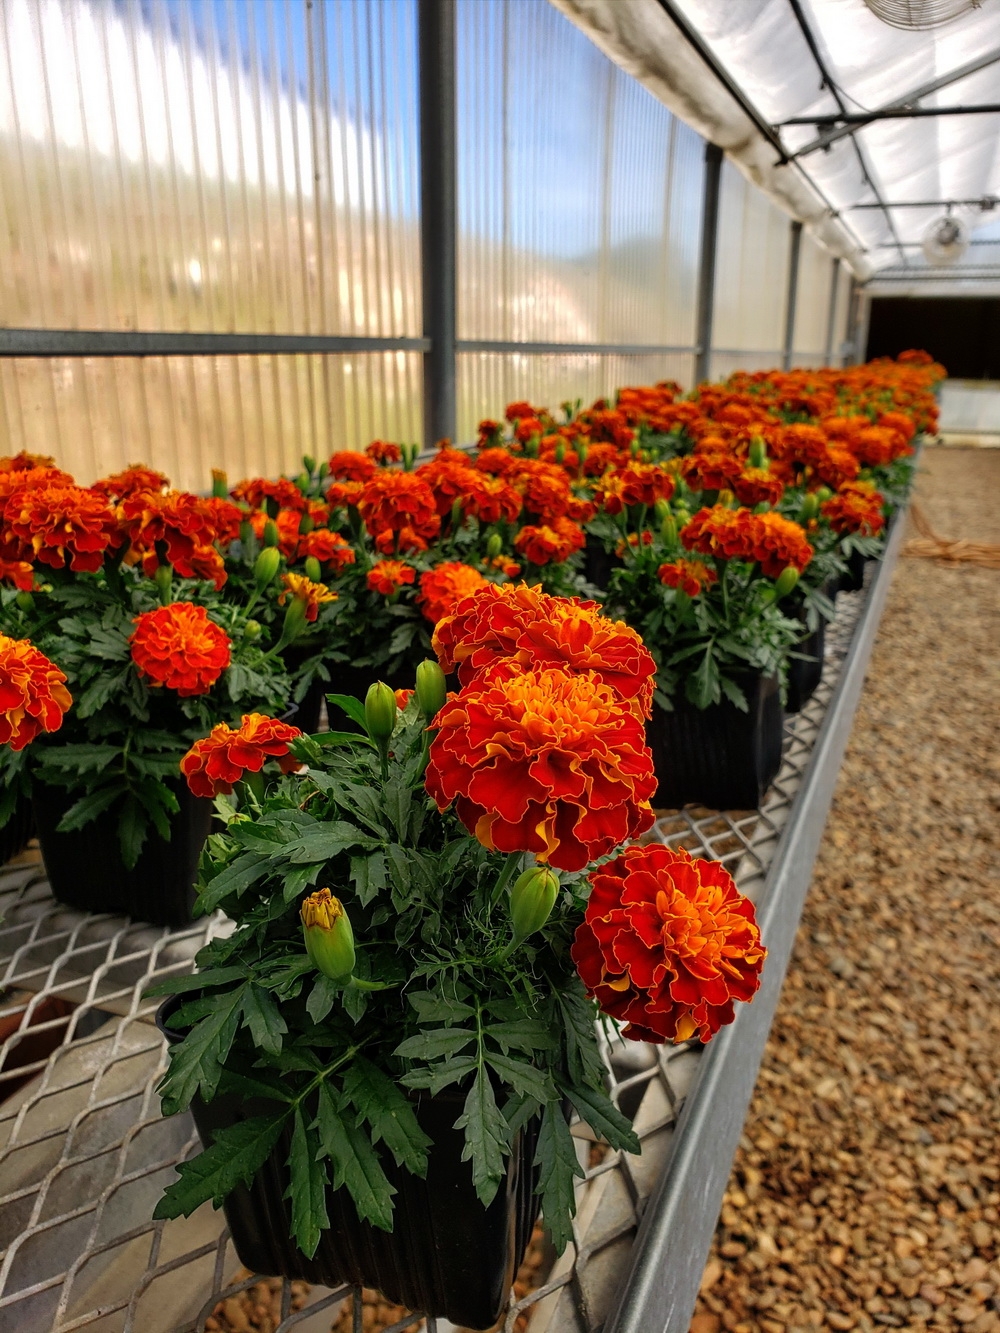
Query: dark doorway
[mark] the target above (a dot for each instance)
(963, 333)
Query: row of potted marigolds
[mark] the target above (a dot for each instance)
(429, 861)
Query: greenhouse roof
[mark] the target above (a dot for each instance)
(846, 119)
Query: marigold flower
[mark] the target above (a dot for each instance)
(311, 595)
(544, 488)
(635, 484)
(488, 432)
(780, 542)
(711, 469)
(383, 451)
(399, 510)
(180, 647)
(517, 411)
(491, 499)
(874, 446)
(691, 576)
(737, 534)
(18, 572)
(496, 461)
(329, 548)
(136, 477)
(548, 543)
(668, 944)
(757, 485)
(287, 523)
(347, 465)
(443, 587)
(256, 491)
(511, 628)
(388, 576)
(403, 697)
(344, 493)
(183, 523)
(855, 509)
(59, 525)
(546, 762)
(25, 478)
(33, 694)
(213, 765)
(224, 517)
(836, 467)
(25, 462)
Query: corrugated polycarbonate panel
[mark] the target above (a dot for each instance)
(251, 415)
(751, 278)
(579, 193)
(235, 165)
(812, 307)
(488, 381)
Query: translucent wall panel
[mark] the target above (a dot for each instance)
(209, 165)
(487, 382)
(840, 329)
(579, 193)
(812, 309)
(751, 278)
(186, 415)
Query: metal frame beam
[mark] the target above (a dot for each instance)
(795, 252)
(438, 214)
(986, 202)
(855, 118)
(831, 314)
(668, 1256)
(706, 263)
(101, 342)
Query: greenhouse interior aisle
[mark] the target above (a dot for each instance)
(874, 1199)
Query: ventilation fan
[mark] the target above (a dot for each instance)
(945, 240)
(919, 14)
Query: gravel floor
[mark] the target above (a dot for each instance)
(866, 1189)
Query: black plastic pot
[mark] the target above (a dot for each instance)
(18, 831)
(718, 756)
(447, 1254)
(805, 669)
(86, 871)
(309, 709)
(853, 578)
(598, 564)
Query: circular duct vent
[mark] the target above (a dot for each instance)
(918, 14)
(945, 240)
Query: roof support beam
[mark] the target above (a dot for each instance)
(795, 251)
(855, 118)
(831, 312)
(706, 261)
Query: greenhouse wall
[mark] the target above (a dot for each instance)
(199, 167)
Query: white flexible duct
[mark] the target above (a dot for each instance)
(640, 37)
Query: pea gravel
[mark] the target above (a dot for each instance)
(866, 1188)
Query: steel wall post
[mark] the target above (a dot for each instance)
(793, 293)
(438, 213)
(831, 317)
(706, 262)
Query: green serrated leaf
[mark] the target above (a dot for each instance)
(523, 1034)
(322, 998)
(133, 826)
(88, 807)
(369, 875)
(196, 1062)
(389, 1113)
(236, 878)
(354, 708)
(523, 1077)
(355, 1162)
(307, 1186)
(323, 842)
(434, 1008)
(558, 1168)
(485, 1137)
(234, 1158)
(600, 1113)
(441, 1076)
(262, 1017)
(434, 1044)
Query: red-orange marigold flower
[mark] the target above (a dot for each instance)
(780, 542)
(33, 694)
(214, 764)
(256, 491)
(344, 493)
(311, 595)
(737, 534)
(18, 572)
(185, 524)
(688, 575)
(178, 646)
(511, 628)
(545, 762)
(388, 576)
(855, 509)
(403, 697)
(442, 588)
(59, 525)
(645, 483)
(347, 465)
(25, 462)
(329, 548)
(287, 523)
(757, 485)
(550, 542)
(384, 451)
(668, 944)
(136, 477)
(399, 511)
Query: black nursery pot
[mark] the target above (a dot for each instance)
(718, 756)
(447, 1254)
(86, 871)
(853, 578)
(598, 564)
(18, 831)
(805, 671)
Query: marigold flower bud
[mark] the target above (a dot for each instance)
(810, 508)
(270, 532)
(295, 620)
(581, 451)
(246, 532)
(163, 578)
(531, 901)
(432, 689)
(313, 571)
(251, 630)
(823, 494)
(380, 712)
(560, 453)
(668, 529)
(266, 567)
(302, 481)
(456, 514)
(220, 484)
(306, 525)
(786, 581)
(329, 939)
(309, 464)
(758, 454)
(25, 601)
(271, 506)
(494, 545)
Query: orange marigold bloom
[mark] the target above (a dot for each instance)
(737, 534)
(517, 411)
(388, 576)
(178, 646)
(547, 543)
(183, 523)
(874, 446)
(384, 451)
(837, 467)
(59, 525)
(344, 493)
(25, 462)
(711, 470)
(855, 509)
(403, 697)
(33, 693)
(668, 944)
(545, 762)
(496, 460)
(18, 572)
(329, 548)
(511, 628)
(757, 485)
(688, 575)
(287, 523)
(347, 465)
(491, 499)
(488, 433)
(223, 516)
(544, 488)
(443, 587)
(311, 595)
(256, 491)
(214, 764)
(780, 542)
(136, 477)
(399, 511)
(22, 479)
(640, 484)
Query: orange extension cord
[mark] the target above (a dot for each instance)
(931, 546)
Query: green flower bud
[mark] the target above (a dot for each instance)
(313, 571)
(25, 601)
(661, 510)
(309, 464)
(251, 630)
(302, 481)
(531, 901)
(668, 529)
(306, 524)
(220, 484)
(246, 532)
(581, 451)
(785, 581)
(681, 601)
(494, 545)
(265, 567)
(270, 532)
(295, 620)
(380, 713)
(456, 514)
(432, 689)
(324, 471)
(163, 579)
(758, 453)
(531, 447)
(329, 939)
(823, 494)
(634, 448)
(810, 508)
(560, 453)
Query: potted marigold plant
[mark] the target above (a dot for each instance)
(382, 1058)
(124, 590)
